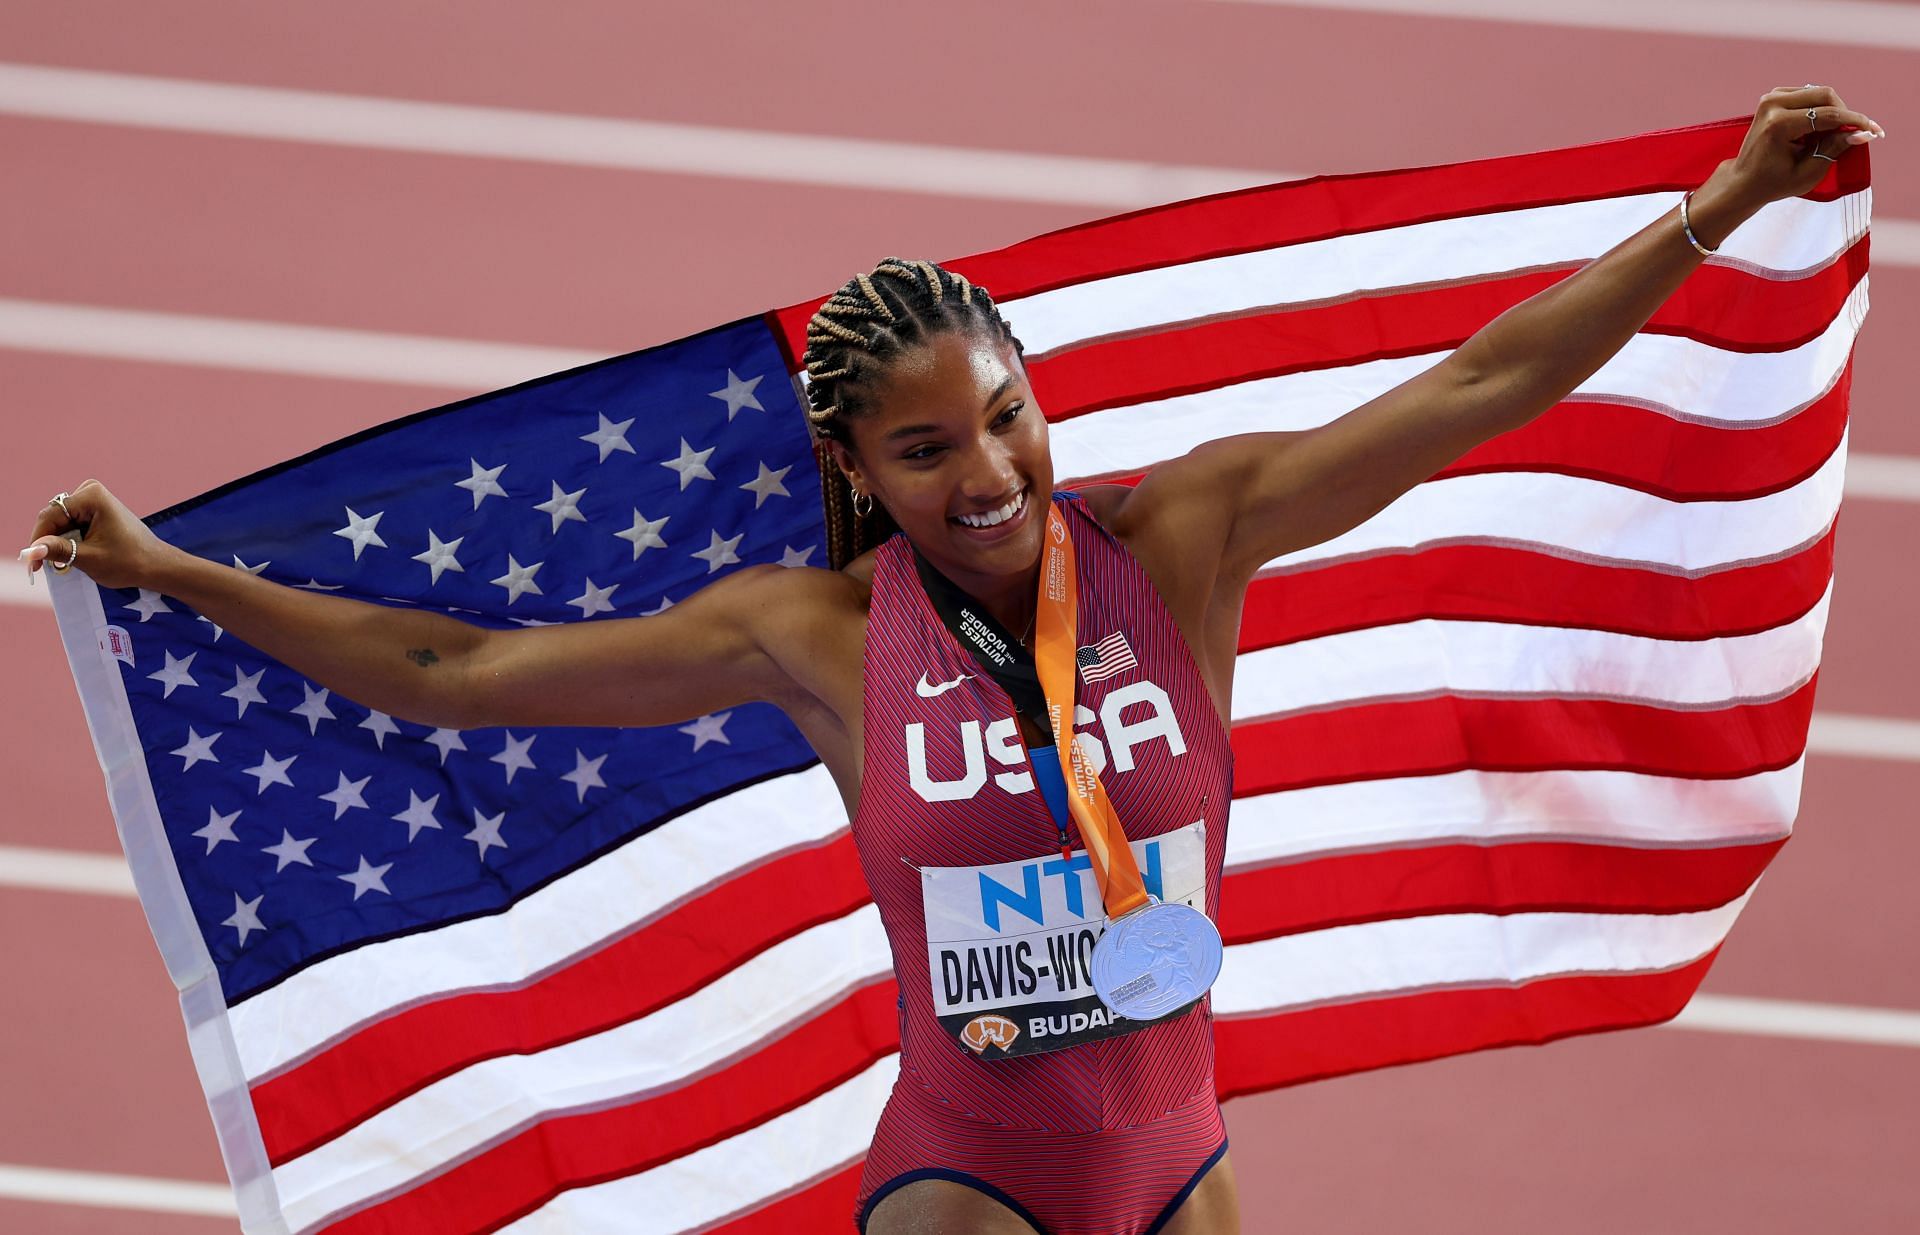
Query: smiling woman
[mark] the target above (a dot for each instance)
(986, 662)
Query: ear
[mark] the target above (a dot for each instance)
(849, 464)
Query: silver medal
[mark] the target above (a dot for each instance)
(1156, 960)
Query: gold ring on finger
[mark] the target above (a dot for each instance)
(71, 558)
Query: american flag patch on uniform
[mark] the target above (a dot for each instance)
(1099, 661)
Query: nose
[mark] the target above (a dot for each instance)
(990, 472)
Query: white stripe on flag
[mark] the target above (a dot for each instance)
(1570, 516)
(1428, 657)
(1631, 809)
(1455, 952)
(696, 1191)
(1789, 237)
(1679, 377)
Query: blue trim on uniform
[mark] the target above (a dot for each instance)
(1053, 785)
(957, 1177)
(1180, 1197)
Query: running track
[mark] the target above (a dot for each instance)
(1785, 1101)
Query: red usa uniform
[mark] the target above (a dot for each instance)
(1104, 1135)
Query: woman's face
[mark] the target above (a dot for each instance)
(956, 450)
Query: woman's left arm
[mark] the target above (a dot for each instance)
(1289, 491)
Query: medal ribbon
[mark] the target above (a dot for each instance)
(1056, 620)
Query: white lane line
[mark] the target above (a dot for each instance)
(1893, 478)
(276, 347)
(641, 145)
(598, 141)
(64, 870)
(1846, 23)
(1787, 1018)
(141, 1192)
(1864, 737)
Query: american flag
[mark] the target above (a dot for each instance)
(1105, 659)
(1510, 756)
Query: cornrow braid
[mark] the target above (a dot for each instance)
(851, 342)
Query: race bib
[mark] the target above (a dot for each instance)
(1010, 946)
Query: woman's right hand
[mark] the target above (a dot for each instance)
(118, 549)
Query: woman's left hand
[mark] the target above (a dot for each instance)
(1797, 134)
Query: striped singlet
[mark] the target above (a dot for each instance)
(1106, 1135)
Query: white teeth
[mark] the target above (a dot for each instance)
(999, 516)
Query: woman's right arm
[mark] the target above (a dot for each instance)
(702, 655)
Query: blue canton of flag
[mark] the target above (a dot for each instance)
(303, 824)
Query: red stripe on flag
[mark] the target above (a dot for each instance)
(1285, 1048)
(525, 1171)
(1510, 877)
(823, 1206)
(1721, 306)
(669, 958)
(1326, 206)
(1488, 583)
(1454, 733)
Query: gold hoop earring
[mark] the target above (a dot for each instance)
(857, 495)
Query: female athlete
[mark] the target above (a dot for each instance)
(919, 400)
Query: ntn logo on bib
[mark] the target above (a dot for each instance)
(1014, 941)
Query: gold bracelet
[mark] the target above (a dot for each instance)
(1686, 225)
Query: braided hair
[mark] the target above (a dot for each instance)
(851, 343)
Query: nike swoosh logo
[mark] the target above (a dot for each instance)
(927, 690)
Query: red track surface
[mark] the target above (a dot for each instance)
(1653, 1130)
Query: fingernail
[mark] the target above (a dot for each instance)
(1860, 137)
(32, 553)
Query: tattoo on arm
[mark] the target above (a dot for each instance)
(422, 657)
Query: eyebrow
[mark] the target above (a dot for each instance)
(913, 430)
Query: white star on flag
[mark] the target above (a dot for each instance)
(486, 832)
(446, 740)
(709, 728)
(514, 755)
(175, 674)
(360, 531)
(519, 579)
(419, 814)
(246, 916)
(314, 585)
(666, 603)
(254, 570)
(738, 394)
(346, 795)
(290, 851)
(644, 534)
(767, 484)
(314, 707)
(439, 556)
(245, 690)
(198, 749)
(585, 774)
(563, 506)
(149, 603)
(218, 630)
(610, 437)
(219, 827)
(368, 878)
(271, 771)
(382, 725)
(484, 483)
(692, 464)
(797, 557)
(720, 552)
(594, 600)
